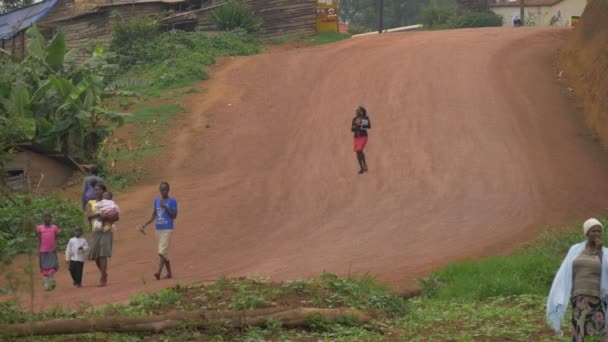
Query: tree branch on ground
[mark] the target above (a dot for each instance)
(289, 318)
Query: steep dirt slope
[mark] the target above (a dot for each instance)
(473, 148)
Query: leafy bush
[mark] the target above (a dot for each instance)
(131, 40)
(433, 16)
(473, 5)
(234, 15)
(474, 19)
(172, 59)
(17, 221)
(354, 28)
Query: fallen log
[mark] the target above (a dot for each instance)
(289, 317)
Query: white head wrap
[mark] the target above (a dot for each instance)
(590, 223)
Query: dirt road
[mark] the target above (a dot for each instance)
(474, 147)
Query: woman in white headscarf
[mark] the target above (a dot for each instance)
(582, 279)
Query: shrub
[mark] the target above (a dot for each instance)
(354, 28)
(133, 40)
(234, 15)
(473, 5)
(433, 16)
(17, 221)
(175, 58)
(474, 19)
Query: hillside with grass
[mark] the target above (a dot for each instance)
(499, 298)
(584, 64)
(151, 72)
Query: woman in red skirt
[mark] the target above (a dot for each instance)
(361, 124)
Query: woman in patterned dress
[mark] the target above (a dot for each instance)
(582, 279)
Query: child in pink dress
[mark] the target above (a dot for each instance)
(47, 251)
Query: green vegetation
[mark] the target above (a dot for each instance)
(10, 5)
(362, 15)
(354, 29)
(146, 140)
(151, 122)
(445, 17)
(518, 318)
(450, 14)
(154, 61)
(437, 15)
(325, 291)
(474, 19)
(327, 37)
(233, 15)
(528, 271)
(156, 64)
(159, 114)
(50, 99)
(498, 298)
(18, 221)
(317, 39)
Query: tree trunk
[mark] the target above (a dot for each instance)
(290, 318)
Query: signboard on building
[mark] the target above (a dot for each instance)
(327, 15)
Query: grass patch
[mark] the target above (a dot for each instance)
(170, 60)
(516, 318)
(327, 37)
(495, 299)
(151, 122)
(147, 125)
(317, 39)
(529, 270)
(325, 291)
(157, 115)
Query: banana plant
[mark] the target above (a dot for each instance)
(56, 100)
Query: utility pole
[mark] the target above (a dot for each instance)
(381, 15)
(522, 11)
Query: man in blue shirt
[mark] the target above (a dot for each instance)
(164, 212)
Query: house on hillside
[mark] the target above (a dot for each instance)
(541, 12)
(36, 167)
(87, 22)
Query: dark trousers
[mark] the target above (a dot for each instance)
(76, 271)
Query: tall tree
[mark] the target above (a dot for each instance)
(396, 12)
(9, 5)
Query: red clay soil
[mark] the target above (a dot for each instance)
(584, 60)
(474, 147)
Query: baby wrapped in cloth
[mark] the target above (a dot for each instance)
(109, 213)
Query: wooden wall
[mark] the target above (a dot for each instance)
(86, 31)
(15, 45)
(90, 29)
(285, 17)
(279, 17)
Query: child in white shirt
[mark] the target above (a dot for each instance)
(74, 255)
